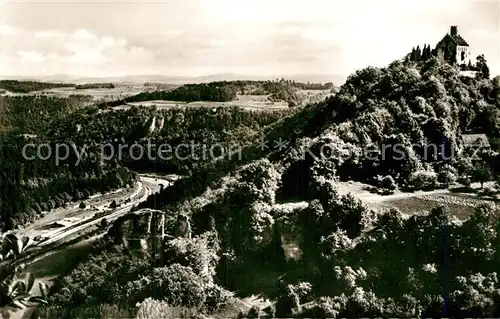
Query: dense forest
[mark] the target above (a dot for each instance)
(30, 86)
(213, 91)
(33, 186)
(222, 130)
(95, 86)
(224, 91)
(33, 114)
(332, 256)
(314, 86)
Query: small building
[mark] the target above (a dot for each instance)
(475, 142)
(453, 48)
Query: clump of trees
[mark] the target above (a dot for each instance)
(30, 187)
(30, 86)
(185, 280)
(417, 54)
(213, 91)
(95, 86)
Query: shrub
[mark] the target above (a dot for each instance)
(104, 223)
(423, 180)
(177, 285)
(254, 312)
(114, 204)
(388, 182)
(216, 297)
(447, 175)
(464, 180)
(153, 309)
(82, 205)
(83, 312)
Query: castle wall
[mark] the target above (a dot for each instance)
(463, 55)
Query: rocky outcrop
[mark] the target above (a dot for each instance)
(140, 231)
(289, 234)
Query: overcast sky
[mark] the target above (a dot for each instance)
(258, 37)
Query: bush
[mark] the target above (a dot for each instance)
(464, 180)
(447, 175)
(216, 297)
(385, 191)
(388, 183)
(83, 312)
(177, 285)
(153, 309)
(254, 312)
(82, 205)
(423, 180)
(104, 223)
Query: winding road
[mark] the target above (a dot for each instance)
(42, 251)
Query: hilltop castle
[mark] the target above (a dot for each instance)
(453, 48)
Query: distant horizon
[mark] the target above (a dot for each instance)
(323, 78)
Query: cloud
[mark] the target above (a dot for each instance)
(31, 56)
(269, 36)
(80, 52)
(49, 34)
(6, 30)
(173, 32)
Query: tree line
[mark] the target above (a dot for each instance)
(30, 86)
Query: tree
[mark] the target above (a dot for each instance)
(418, 54)
(413, 54)
(482, 67)
(424, 53)
(104, 223)
(113, 204)
(481, 173)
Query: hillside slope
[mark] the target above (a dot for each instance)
(282, 224)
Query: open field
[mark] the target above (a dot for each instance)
(314, 96)
(250, 102)
(119, 92)
(459, 204)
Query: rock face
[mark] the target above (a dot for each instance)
(140, 232)
(289, 234)
(182, 227)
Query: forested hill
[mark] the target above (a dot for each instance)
(214, 91)
(29, 187)
(404, 103)
(95, 86)
(273, 199)
(224, 91)
(273, 224)
(30, 86)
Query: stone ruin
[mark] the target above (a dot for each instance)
(141, 232)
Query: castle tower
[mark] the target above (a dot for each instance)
(454, 30)
(453, 48)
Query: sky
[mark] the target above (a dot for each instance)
(251, 37)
